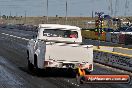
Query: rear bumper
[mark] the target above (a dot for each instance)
(73, 65)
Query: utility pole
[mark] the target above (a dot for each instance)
(16, 14)
(66, 11)
(47, 10)
(25, 17)
(110, 7)
(116, 5)
(0, 15)
(9, 17)
(92, 14)
(16, 18)
(126, 7)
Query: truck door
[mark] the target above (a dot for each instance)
(41, 53)
(31, 50)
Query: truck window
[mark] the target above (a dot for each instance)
(73, 34)
(60, 33)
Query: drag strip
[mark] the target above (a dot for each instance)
(14, 50)
(8, 78)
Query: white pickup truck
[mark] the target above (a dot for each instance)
(59, 46)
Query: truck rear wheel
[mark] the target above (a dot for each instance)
(36, 69)
(80, 79)
(87, 72)
(80, 75)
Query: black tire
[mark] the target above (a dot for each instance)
(27, 54)
(87, 72)
(36, 69)
(71, 72)
(80, 79)
(30, 66)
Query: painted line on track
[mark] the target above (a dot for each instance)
(15, 36)
(77, 85)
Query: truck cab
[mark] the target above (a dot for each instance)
(59, 33)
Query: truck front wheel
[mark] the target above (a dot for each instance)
(30, 66)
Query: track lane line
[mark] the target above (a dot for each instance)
(15, 36)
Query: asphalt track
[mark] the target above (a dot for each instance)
(14, 72)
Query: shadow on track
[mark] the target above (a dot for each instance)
(51, 72)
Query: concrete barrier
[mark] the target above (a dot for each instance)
(115, 49)
(123, 50)
(113, 59)
(106, 48)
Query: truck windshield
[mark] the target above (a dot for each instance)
(60, 33)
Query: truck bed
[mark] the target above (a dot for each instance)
(69, 52)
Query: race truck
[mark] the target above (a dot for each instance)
(59, 46)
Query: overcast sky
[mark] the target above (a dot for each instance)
(57, 7)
